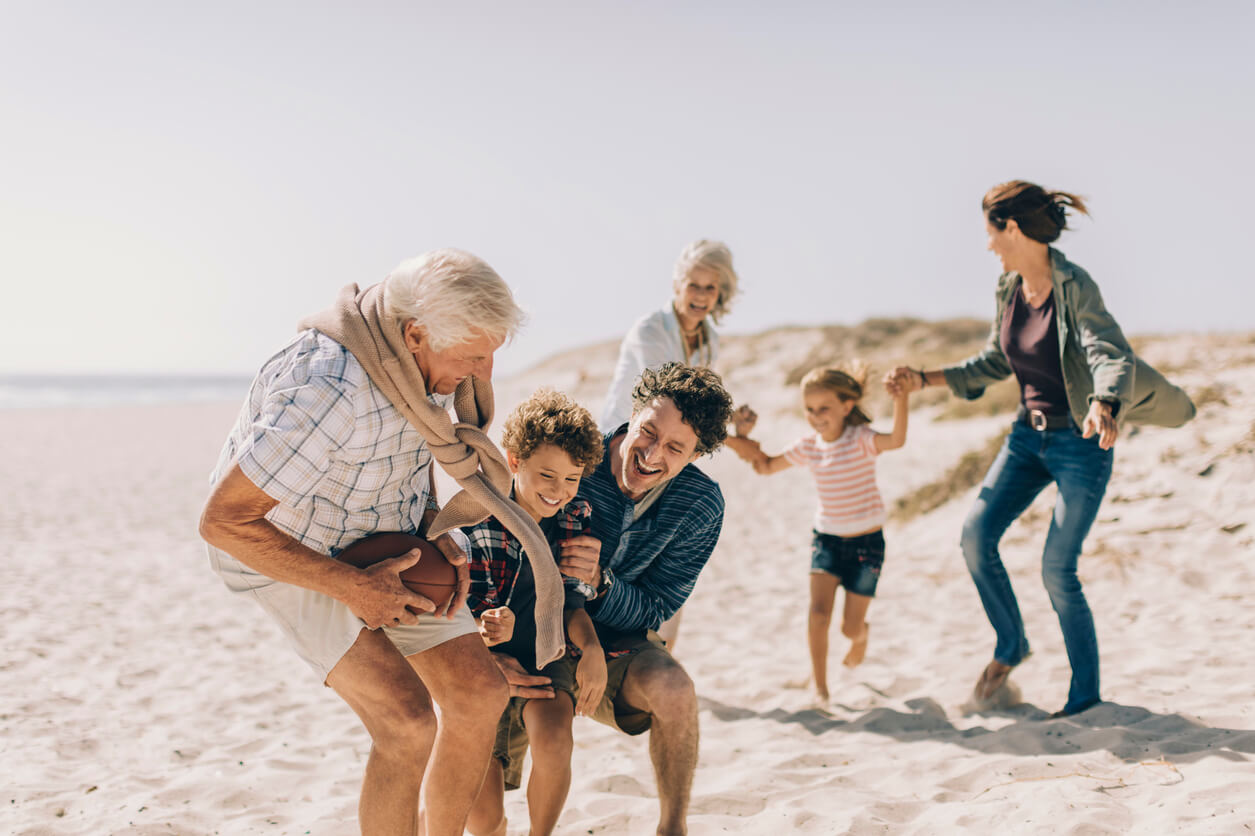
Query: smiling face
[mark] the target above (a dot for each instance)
(826, 413)
(657, 446)
(544, 481)
(696, 296)
(1003, 243)
(442, 371)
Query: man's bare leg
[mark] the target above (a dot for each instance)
(487, 817)
(656, 683)
(854, 627)
(381, 687)
(548, 725)
(818, 623)
(467, 685)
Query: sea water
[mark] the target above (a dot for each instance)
(25, 391)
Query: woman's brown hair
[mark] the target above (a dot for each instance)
(1041, 215)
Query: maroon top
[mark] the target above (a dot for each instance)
(1030, 340)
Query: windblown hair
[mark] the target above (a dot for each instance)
(550, 417)
(1041, 215)
(713, 256)
(454, 296)
(846, 382)
(699, 395)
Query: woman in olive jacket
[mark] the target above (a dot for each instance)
(1079, 382)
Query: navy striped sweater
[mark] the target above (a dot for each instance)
(656, 559)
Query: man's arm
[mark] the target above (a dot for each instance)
(234, 520)
(654, 596)
(772, 464)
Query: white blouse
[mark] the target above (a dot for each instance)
(654, 339)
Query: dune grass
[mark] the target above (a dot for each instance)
(966, 473)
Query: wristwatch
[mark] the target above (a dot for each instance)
(607, 581)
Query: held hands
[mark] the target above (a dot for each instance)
(902, 381)
(590, 675)
(380, 599)
(1099, 420)
(746, 448)
(496, 626)
(752, 452)
(457, 559)
(743, 420)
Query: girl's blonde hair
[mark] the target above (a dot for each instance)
(846, 382)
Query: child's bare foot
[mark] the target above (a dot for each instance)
(820, 698)
(858, 649)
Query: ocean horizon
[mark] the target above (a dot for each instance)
(26, 391)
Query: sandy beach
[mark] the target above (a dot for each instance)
(138, 697)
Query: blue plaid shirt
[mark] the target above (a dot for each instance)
(319, 437)
(656, 559)
(498, 568)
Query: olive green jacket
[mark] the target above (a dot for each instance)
(1096, 359)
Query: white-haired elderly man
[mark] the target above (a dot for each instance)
(335, 442)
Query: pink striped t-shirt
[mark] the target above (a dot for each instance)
(845, 478)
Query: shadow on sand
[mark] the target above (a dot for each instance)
(1127, 732)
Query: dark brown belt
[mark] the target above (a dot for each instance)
(1042, 421)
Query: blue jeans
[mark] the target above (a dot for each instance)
(1028, 462)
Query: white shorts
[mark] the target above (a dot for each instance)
(322, 629)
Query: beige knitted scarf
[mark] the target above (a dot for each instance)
(358, 322)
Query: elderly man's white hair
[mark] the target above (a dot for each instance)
(455, 296)
(713, 255)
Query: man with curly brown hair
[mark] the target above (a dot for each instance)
(656, 519)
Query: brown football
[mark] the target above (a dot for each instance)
(432, 576)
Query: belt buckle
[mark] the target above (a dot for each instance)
(1037, 420)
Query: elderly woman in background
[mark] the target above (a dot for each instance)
(1079, 380)
(682, 331)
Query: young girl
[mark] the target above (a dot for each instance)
(848, 546)
(550, 443)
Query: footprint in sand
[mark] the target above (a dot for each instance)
(621, 785)
(726, 804)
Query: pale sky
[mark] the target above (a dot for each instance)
(179, 185)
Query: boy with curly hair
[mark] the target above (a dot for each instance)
(551, 443)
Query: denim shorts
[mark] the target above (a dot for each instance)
(855, 561)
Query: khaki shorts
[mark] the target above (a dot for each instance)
(512, 740)
(320, 628)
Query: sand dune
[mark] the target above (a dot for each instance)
(137, 696)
